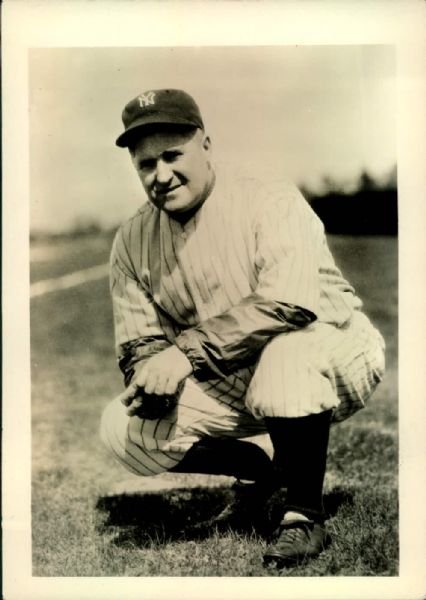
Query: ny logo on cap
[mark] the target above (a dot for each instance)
(146, 99)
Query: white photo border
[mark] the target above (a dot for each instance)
(28, 24)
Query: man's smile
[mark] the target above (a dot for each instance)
(158, 193)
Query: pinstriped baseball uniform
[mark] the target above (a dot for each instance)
(249, 290)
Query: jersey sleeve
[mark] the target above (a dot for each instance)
(286, 298)
(138, 330)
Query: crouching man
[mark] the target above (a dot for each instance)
(239, 339)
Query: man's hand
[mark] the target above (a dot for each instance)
(160, 375)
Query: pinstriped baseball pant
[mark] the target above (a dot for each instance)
(309, 371)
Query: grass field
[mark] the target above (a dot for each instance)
(91, 518)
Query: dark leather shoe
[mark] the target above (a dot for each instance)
(295, 542)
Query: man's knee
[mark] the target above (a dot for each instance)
(291, 378)
(292, 347)
(122, 436)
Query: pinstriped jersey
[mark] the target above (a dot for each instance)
(216, 283)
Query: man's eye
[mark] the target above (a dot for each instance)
(171, 156)
(146, 165)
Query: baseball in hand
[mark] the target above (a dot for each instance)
(151, 406)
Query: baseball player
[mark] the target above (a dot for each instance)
(239, 339)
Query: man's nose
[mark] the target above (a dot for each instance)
(164, 173)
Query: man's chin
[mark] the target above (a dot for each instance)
(180, 213)
(173, 205)
(178, 205)
(170, 199)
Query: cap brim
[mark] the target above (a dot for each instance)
(131, 132)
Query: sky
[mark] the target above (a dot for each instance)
(306, 112)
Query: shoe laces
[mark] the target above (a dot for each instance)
(295, 531)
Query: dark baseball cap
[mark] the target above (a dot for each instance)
(158, 107)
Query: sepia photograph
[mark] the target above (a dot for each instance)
(230, 251)
(213, 260)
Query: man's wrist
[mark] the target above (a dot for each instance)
(135, 352)
(182, 356)
(188, 342)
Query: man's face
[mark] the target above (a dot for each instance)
(174, 168)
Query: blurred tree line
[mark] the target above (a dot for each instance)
(366, 207)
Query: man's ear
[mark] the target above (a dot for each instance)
(207, 144)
